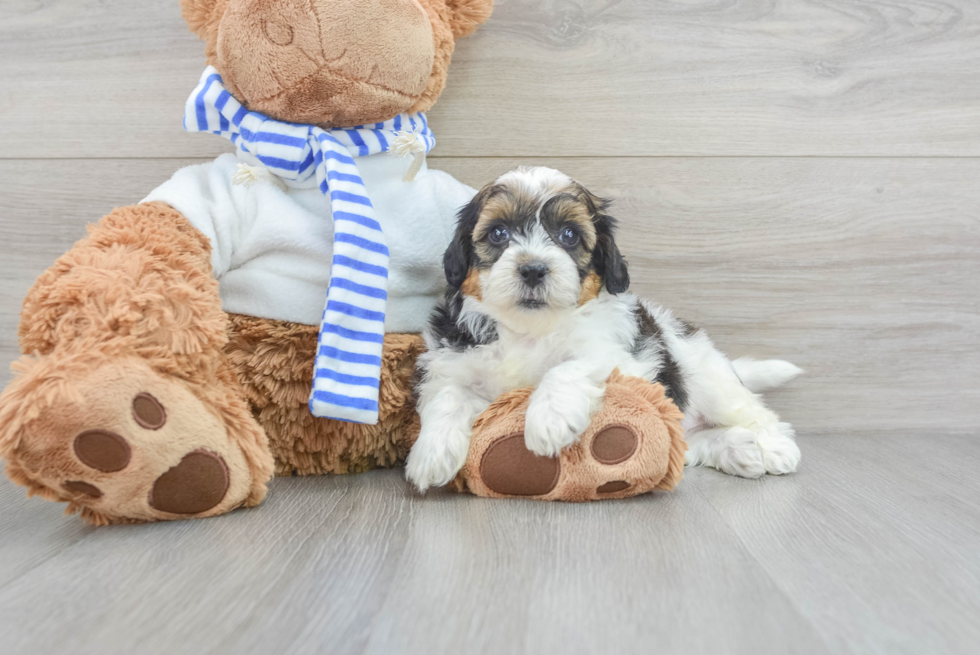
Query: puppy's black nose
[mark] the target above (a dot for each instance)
(533, 273)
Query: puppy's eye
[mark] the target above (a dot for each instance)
(568, 237)
(498, 235)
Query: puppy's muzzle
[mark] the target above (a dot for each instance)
(533, 273)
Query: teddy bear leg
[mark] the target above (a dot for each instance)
(125, 405)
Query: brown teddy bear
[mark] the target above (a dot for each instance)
(150, 392)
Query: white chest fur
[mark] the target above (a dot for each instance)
(601, 333)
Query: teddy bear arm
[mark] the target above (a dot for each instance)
(91, 292)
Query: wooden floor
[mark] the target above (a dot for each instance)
(801, 177)
(874, 546)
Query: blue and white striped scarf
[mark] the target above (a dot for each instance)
(348, 363)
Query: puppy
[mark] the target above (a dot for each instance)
(538, 297)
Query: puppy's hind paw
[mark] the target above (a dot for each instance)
(740, 455)
(780, 454)
(746, 453)
(732, 450)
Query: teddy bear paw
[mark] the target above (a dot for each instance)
(121, 443)
(632, 444)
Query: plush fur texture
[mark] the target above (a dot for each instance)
(631, 404)
(334, 63)
(523, 310)
(274, 362)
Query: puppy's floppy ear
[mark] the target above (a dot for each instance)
(606, 258)
(610, 265)
(459, 255)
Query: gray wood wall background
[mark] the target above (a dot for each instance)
(801, 177)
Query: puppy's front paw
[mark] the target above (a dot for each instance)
(555, 421)
(435, 459)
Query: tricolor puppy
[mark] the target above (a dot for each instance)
(538, 297)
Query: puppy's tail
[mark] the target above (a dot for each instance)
(759, 376)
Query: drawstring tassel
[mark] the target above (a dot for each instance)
(408, 143)
(247, 175)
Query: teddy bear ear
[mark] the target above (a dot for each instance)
(197, 13)
(467, 15)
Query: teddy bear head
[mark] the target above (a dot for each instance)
(333, 63)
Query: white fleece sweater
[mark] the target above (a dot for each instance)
(272, 244)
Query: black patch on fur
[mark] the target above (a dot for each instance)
(444, 325)
(670, 374)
